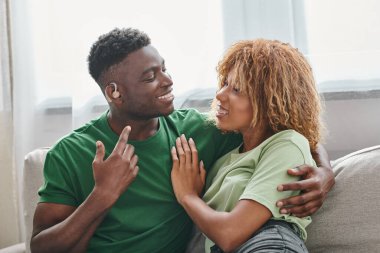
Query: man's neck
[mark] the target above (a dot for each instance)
(141, 129)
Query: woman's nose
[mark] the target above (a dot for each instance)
(220, 94)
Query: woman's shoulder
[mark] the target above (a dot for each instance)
(289, 136)
(285, 140)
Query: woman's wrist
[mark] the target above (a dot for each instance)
(188, 199)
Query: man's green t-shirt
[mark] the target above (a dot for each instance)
(147, 217)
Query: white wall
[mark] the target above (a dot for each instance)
(352, 123)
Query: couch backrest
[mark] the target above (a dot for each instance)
(32, 180)
(348, 220)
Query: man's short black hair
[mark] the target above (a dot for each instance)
(112, 47)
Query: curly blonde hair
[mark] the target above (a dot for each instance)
(280, 84)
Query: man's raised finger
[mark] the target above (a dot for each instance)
(122, 142)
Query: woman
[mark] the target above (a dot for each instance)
(267, 93)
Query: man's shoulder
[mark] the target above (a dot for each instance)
(78, 138)
(185, 119)
(188, 113)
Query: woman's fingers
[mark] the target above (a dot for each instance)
(194, 152)
(202, 172)
(180, 152)
(175, 158)
(186, 149)
(187, 153)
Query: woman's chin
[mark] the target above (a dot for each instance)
(224, 127)
(219, 125)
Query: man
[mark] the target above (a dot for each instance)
(122, 200)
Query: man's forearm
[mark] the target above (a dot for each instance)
(81, 246)
(321, 157)
(325, 173)
(73, 233)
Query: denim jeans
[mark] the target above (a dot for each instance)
(273, 236)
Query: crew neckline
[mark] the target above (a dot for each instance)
(147, 141)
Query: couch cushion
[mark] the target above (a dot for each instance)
(17, 248)
(32, 180)
(348, 220)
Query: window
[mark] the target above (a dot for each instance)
(59, 34)
(341, 38)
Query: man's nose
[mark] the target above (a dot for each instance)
(166, 79)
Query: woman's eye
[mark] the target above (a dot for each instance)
(236, 90)
(149, 79)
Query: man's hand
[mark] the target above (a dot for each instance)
(188, 176)
(63, 228)
(113, 175)
(314, 186)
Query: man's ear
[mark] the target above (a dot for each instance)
(111, 92)
(107, 93)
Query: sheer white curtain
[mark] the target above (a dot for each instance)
(53, 92)
(8, 193)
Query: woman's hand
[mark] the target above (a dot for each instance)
(188, 176)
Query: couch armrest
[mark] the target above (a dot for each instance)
(17, 248)
(32, 180)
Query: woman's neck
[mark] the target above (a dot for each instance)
(254, 136)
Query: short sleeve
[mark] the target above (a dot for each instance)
(57, 187)
(271, 170)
